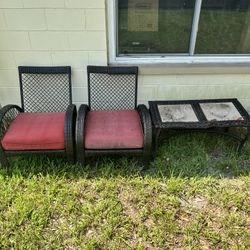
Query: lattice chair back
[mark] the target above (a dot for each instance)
(45, 89)
(112, 88)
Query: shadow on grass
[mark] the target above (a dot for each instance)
(187, 155)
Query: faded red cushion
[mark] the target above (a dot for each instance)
(35, 131)
(114, 129)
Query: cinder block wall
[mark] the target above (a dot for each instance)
(73, 32)
(50, 32)
(195, 83)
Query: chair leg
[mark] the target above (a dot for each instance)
(145, 161)
(81, 158)
(71, 158)
(4, 161)
(71, 161)
(243, 141)
(145, 164)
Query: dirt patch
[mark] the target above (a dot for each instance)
(245, 163)
(199, 202)
(204, 244)
(149, 223)
(232, 182)
(92, 233)
(131, 211)
(128, 207)
(216, 154)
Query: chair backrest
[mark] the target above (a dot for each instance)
(111, 88)
(45, 89)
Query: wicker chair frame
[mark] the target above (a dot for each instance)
(142, 110)
(9, 112)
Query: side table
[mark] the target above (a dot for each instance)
(202, 115)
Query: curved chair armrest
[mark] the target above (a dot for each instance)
(147, 128)
(8, 114)
(81, 122)
(69, 132)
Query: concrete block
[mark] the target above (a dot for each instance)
(10, 96)
(7, 60)
(241, 91)
(63, 19)
(245, 103)
(157, 79)
(3, 25)
(147, 92)
(85, 4)
(180, 92)
(14, 41)
(79, 78)
(98, 58)
(11, 4)
(43, 3)
(88, 40)
(49, 40)
(75, 59)
(80, 94)
(34, 58)
(24, 19)
(9, 78)
(95, 19)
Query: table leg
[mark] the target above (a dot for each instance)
(156, 135)
(243, 141)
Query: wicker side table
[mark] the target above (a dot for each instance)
(200, 115)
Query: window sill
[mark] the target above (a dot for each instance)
(188, 65)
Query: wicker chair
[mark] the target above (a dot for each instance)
(45, 122)
(112, 123)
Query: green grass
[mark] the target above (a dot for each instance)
(195, 195)
(220, 32)
(166, 39)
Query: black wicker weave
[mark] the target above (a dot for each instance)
(43, 89)
(113, 88)
(202, 125)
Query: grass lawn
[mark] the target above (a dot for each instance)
(220, 32)
(195, 195)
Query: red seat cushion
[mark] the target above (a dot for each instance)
(35, 131)
(114, 129)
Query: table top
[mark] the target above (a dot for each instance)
(205, 113)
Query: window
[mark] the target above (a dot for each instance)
(224, 27)
(179, 30)
(152, 26)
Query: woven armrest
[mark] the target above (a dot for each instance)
(81, 122)
(69, 132)
(8, 114)
(147, 128)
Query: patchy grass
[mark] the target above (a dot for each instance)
(195, 195)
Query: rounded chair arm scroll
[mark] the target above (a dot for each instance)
(80, 132)
(8, 114)
(69, 132)
(147, 129)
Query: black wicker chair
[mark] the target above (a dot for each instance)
(110, 115)
(45, 124)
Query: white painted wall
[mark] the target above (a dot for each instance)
(73, 32)
(50, 32)
(195, 85)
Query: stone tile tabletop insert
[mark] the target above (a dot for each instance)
(224, 111)
(177, 113)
